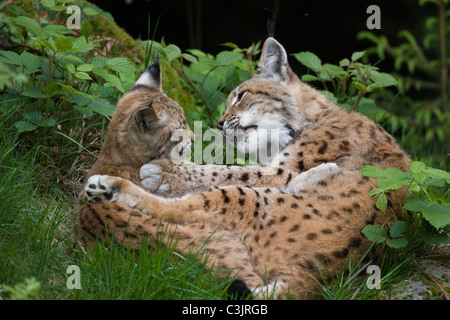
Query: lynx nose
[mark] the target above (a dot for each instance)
(220, 125)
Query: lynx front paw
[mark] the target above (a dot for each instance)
(304, 179)
(100, 188)
(151, 175)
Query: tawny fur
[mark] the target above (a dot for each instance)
(261, 229)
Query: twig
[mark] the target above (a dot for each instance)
(23, 45)
(431, 278)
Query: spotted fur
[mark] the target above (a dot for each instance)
(278, 229)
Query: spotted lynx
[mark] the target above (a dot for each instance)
(277, 223)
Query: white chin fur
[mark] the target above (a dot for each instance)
(262, 144)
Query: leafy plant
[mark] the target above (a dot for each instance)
(351, 80)
(421, 62)
(209, 77)
(61, 77)
(428, 199)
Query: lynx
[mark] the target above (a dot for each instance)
(277, 224)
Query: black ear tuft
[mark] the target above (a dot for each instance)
(155, 70)
(271, 21)
(151, 78)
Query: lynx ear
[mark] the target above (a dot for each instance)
(273, 63)
(151, 77)
(145, 118)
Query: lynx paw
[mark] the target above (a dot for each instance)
(322, 171)
(100, 188)
(151, 178)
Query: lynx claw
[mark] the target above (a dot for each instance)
(99, 188)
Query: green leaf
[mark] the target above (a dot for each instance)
(309, 77)
(120, 65)
(357, 55)
(397, 243)
(309, 60)
(368, 107)
(33, 93)
(31, 61)
(416, 202)
(414, 187)
(382, 79)
(82, 75)
(228, 57)
(398, 229)
(54, 30)
(48, 3)
(344, 62)
(24, 126)
(172, 52)
(34, 116)
(437, 215)
(80, 45)
(389, 185)
(372, 171)
(190, 58)
(382, 202)
(10, 57)
(332, 69)
(437, 173)
(63, 43)
(198, 53)
(85, 67)
(46, 44)
(394, 174)
(417, 166)
(70, 67)
(359, 86)
(375, 192)
(30, 24)
(102, 107)
(49, 122)
(375, 234)
(329, 95)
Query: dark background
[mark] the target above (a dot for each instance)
(326, 27)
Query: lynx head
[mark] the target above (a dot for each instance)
(267, 109)
(146, 124)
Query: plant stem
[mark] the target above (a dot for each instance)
(357, 100)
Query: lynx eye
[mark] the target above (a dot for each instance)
(240, 96)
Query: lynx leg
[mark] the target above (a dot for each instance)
(322, 171)
(103, 187)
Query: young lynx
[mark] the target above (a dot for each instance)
(277, 225)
